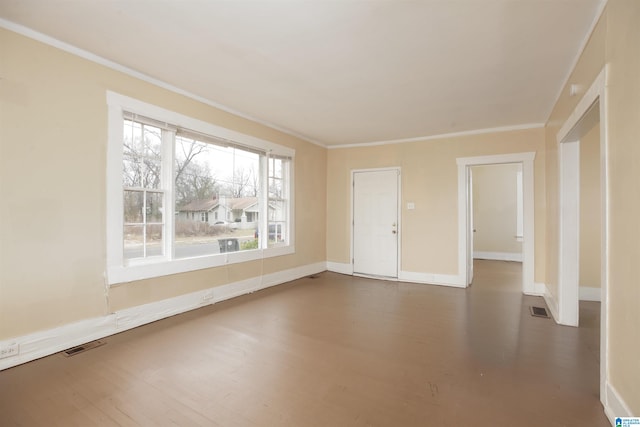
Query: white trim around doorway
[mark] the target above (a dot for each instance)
(528, 247)
(595, 95)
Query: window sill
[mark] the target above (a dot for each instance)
(147, 270)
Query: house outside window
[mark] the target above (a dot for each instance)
(167, 170)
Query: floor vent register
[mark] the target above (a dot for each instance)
(539, 312)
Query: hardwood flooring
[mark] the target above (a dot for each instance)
(330, 351)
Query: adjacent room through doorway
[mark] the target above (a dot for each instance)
(497, 214)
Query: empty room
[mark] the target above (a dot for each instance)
(319, 213)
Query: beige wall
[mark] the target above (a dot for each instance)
(590, 207)
(495, 208)
(52, 176)
(623, 133)
(430, 180)
(587, 69)
(615, 42)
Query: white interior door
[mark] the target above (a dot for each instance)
(375, 223)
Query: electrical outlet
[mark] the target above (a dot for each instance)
(9, 350)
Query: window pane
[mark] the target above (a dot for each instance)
(277, 168)
(154, 240)
(151, 152)
(154, 207)
(217, 207)
(142, 149)
(278, 203)
(275, 188)
(133, 205)
(132, 155)
(131, 170)
(151, 171)
(133, 241)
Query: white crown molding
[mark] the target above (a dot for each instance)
(442, 136)
(58, 44)
(574, 63)
(48, 40)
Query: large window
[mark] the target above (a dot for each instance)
(184, 194)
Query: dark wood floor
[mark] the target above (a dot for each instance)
(330, 351)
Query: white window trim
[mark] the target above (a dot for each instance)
(116, 270)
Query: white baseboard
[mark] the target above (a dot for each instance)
(615, 406)
(590, 294)
(538, 289)
(552, 303)
(339, 267)
(39, 344)
(406, 276)
(498, 256)
(431, 279)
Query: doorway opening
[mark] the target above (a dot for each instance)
(465, 218)
(497, 221)
(580, 209)
(590, 111)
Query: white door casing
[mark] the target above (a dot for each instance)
(569, 233)
(375, 225)
(464, 225)
(570, 132)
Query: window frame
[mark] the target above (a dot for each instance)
(120, 271)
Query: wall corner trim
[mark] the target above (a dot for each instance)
(44, 343)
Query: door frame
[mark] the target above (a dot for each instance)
(570, 133)
(568, 232)
(464, 211)
(398, 214)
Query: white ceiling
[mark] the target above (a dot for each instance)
(341, 71)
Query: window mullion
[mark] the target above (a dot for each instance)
(168, 184)
(144, 223)
(263, 203)
(287, 195)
